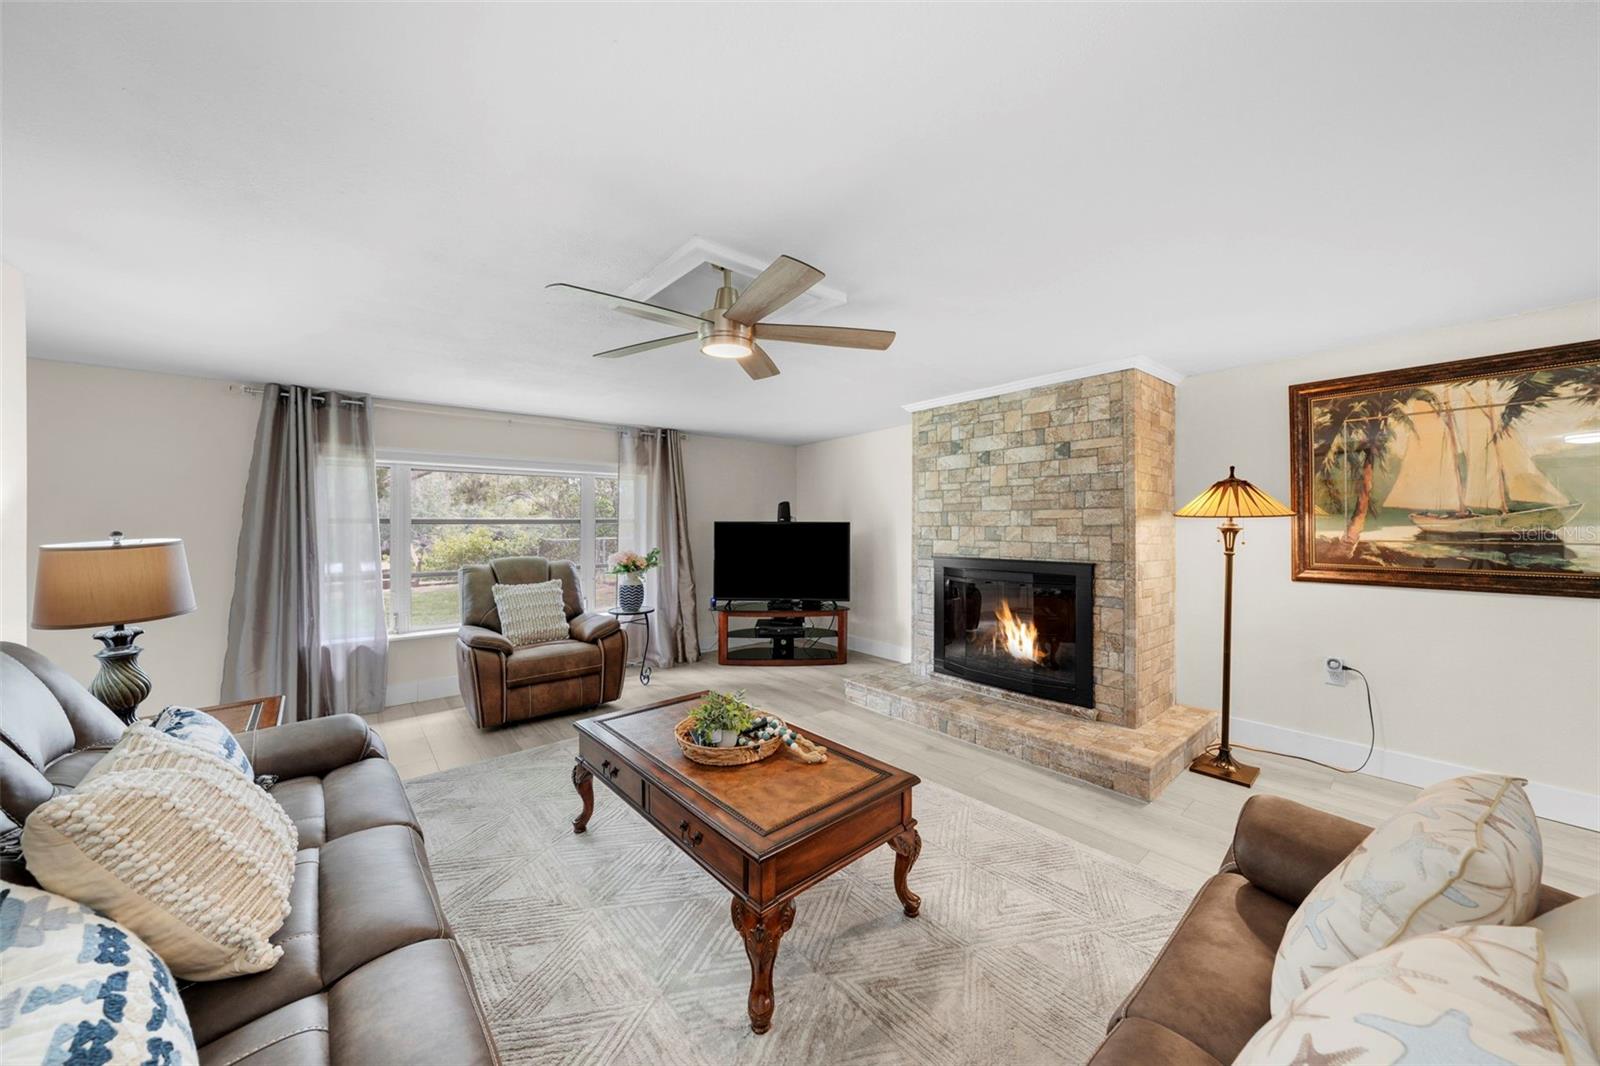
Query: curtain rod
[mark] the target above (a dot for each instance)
(477, 414)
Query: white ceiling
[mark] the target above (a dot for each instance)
(372, 196)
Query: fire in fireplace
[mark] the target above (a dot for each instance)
(1016, 624)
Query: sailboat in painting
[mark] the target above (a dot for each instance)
(1461, 477)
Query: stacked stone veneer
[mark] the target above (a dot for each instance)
(1079, 471)
(1076, 472)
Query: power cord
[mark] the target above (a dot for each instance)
(833, 627)
(1372, 743)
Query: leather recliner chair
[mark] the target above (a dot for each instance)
(502, 683)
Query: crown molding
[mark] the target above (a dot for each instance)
(1148, 366)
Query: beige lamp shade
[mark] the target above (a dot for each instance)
(110, 582)
(1233, 497)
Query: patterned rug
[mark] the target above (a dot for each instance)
(614, 947)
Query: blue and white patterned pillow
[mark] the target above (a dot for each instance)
(204, 731)
(79, 988)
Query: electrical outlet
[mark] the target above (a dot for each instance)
(1338, 673)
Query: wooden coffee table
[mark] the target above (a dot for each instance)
(767, 831)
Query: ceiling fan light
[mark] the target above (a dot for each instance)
(726, 348)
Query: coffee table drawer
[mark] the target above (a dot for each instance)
(695, 836)
(618, 775)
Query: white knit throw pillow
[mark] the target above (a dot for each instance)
(192, 856)
(532, 613)
(142, 747)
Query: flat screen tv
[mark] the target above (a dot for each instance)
(781, 561)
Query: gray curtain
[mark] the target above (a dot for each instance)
(307, 618)
(654, 514)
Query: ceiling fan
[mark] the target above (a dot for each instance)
(731, 328)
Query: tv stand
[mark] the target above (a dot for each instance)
(792, 638)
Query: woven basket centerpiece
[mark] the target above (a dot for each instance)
(763, 739)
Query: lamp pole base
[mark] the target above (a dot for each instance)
(120, 684)
(1224, 767)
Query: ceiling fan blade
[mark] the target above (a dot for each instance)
(837, 336)
(781, 282)
(758, 364)
(645, 346)
(637, 307)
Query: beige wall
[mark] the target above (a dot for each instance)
(151, 455)
(866, 480)
(13, 460)
(160, 454)
(729, 481)
(1489, 681)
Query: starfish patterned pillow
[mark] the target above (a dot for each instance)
(1464, 852)
(1474, 994)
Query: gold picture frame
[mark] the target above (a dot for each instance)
(1479, 474)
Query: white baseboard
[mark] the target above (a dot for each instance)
(899, 653)
(432, 688)
(1549, 801)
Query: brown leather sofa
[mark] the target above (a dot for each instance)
(1208, 991)
(501, 683)
(370, 972)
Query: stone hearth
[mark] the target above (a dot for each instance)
(1079, 471)
(1136, 762)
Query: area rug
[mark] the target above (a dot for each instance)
(614, 947)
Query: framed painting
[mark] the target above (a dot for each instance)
(1480, 474)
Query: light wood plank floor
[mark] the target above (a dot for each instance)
(1184, 833)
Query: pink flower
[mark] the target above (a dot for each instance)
(631, 562)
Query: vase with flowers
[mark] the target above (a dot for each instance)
(630, 568)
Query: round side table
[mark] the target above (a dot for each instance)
(640, 617)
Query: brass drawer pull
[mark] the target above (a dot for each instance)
(698, 836)
(683, 827)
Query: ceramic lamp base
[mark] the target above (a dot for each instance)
(120, 684)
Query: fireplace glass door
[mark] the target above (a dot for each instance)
(1024, 631)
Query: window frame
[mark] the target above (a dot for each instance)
(397, 620)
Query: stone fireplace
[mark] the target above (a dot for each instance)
(1023, 626)
(1076, 474)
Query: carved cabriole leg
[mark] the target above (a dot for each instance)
(907, 846)
(583, 781)
(761, 930)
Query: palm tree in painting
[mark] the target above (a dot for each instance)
(1356, 432)
(1533, 391)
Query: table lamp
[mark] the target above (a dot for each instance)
(1230, 499)
(113, 583)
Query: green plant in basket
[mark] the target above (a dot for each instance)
(724, 713)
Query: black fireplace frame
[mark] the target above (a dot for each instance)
(1080, 691)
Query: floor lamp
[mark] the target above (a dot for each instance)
(1230, 499)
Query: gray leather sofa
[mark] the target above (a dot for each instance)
(370, 972)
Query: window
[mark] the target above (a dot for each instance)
(436, 518)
